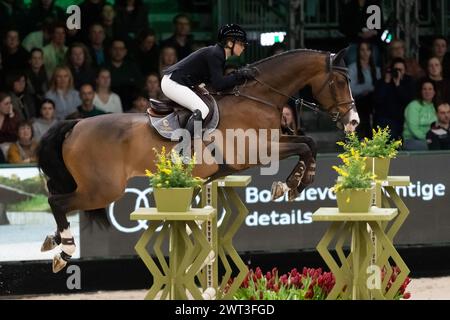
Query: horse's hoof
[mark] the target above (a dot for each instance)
(310, 174)
(297, 175)
(58, 263)
(49, 244)
(277, 190)
(292, 195)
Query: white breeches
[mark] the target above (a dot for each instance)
(183, 96)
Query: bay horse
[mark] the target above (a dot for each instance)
(88, 162)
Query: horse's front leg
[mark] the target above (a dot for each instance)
(308, 158)
(303, 173)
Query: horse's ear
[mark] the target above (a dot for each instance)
(338, 58)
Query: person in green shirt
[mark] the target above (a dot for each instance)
(87, 108)
(55, 51)
(419, 115)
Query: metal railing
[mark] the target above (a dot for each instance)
(256, 16)
(319, 19)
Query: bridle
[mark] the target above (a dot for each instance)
(301, 103)
(336, 116)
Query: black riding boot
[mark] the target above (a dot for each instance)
(196, 116)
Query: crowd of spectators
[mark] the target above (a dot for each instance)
(392, 88)
(49, 73)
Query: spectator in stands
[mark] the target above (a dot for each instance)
(14, 56)
(61, 91)
(55, 51)
(153, 86)
(140, 104)
(40, 38)
(397, 50)
(438, 137)
(364, 74)
(76, 36)
(87, 108)
(419, 115)
(24, 149)
(125, 75)
(353, 24)
(37, 83)
(22, 101)
(442, 86)
(167, 57)
(439, 50)
(147, 53)
(181, 40)
(109, 22)
(46, 119)
(289, 124)
(105, 99)
(8, 120)
(11, 14)
(97, 45)
(391, 96)
(91, 12)
(40, 11)
(132, 16)
(79, 61)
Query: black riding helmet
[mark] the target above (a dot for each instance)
(233, 32)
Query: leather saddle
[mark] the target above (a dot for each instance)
(167, 116)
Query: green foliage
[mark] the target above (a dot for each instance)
(172, 172)
(380, 146)
(37, 203)
(353, 172)
(34, 185)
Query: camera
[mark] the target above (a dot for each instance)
(395, 73)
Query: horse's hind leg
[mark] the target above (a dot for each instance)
(90, 198)
(53, 241)
(62, 204)
(63, 235)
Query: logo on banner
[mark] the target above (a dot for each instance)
(142, 201)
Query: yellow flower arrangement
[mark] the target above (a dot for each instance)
(380, 146)
(171, 172)
(352, 172)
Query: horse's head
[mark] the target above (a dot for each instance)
(331, 88)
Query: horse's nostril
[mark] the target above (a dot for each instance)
(355, 123)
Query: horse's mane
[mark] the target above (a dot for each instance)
(288, 53)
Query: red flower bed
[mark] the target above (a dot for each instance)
(310, 284)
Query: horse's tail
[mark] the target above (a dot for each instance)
(51, 162)
(50, 159)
